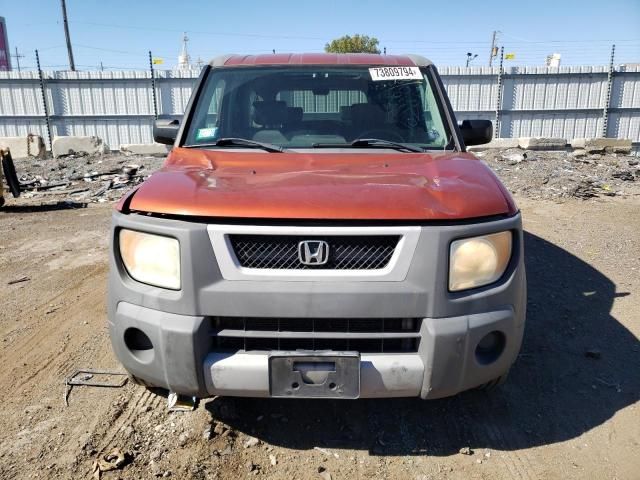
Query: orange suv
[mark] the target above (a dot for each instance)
(318, 230)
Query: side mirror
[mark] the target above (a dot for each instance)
(476, 132)
(165, 131)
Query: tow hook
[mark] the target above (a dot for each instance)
(180, 403)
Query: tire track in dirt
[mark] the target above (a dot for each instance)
(33, 351)
(139, 402)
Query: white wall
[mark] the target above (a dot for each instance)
(118, 107)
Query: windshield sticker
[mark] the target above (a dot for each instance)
(206, 133)
(395, 73)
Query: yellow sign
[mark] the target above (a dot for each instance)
(509, 56)
(158, 61)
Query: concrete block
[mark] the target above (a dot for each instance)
(30, 146)
(499, 143)
(542, 143)
(599, 145)
(145, 149)
(78, 145)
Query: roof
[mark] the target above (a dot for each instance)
(320, 59)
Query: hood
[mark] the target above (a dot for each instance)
(322, 186)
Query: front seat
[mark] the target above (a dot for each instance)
(270, 116)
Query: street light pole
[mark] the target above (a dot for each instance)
(66, 34)
(493, 48)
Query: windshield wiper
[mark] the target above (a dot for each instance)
(378, 142)
(240, 142)
(371, 142)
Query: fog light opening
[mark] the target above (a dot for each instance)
(490, 347)
(139, 344)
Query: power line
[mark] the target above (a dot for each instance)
(17, 56)
(123, 52)
(235, 34)
(324, 39)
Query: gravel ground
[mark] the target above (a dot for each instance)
(568, 410)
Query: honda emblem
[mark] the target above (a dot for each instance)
(313, 252)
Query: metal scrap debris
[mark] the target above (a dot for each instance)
(84, 378)
(18, 280)
(82, 183)
(112, 461)
(326, 452)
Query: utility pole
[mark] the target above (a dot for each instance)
(17, 56)
(72, 65)
(494, 49)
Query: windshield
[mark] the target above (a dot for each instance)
(316, 106)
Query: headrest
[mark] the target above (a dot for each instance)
(367, 114)
(294, 114)
(270, 113)
(345, 113)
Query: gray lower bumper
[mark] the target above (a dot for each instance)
(247, 374)
(445, 364)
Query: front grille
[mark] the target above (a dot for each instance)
(345, 252)
(376, 335)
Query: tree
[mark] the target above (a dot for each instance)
(356, 44)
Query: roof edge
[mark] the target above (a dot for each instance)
(418, 60)
(220, 60)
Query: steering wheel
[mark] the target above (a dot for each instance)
(382, 135)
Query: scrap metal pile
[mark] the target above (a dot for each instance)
(82, 179)
(564, 174)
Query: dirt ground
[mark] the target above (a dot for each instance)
(570, 408)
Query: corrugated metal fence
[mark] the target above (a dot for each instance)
(567, 102)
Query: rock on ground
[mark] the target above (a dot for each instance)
(70, 145)
(29, 146)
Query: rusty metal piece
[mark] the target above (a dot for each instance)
(9, 170)
(85, 381)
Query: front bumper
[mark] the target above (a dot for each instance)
(180, 354)
(181, 359)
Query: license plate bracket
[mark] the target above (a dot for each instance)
(304, 374)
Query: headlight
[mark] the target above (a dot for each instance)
(151, 259)
(478, 261)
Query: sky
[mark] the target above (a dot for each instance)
(119, 33)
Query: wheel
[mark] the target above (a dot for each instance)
(493, 384)
(10, 175)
